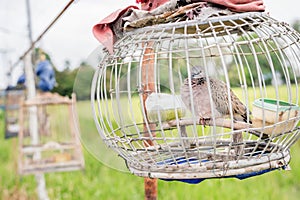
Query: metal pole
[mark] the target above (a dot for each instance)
(33, 119)
(33, 125)
(28, 11)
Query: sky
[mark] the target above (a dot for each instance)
(71, 37)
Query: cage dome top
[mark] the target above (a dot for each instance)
(202, 79)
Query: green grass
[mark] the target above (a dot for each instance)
(98, 181)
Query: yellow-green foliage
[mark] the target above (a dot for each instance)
(100, 181)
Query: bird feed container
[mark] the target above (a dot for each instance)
(275, 116)
(164, 107)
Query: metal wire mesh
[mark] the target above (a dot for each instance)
(140, 114)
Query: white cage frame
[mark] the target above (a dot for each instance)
(160, 149)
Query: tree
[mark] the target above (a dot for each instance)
(258, 57)
(83, 81)
(296, 25)
(64, 82)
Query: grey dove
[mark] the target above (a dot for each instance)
(219, 97)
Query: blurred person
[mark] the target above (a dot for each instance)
(46, 75)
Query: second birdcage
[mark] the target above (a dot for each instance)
(49, 135)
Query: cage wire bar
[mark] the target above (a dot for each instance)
(256, 56)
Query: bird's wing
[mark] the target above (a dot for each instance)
(238, 108)
(220, 98)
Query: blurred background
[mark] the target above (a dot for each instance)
(74, 53)
(70, 41)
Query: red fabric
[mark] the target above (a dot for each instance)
(151, 4)
(103, 32)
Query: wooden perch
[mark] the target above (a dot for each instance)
(220, 122)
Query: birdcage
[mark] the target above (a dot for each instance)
(2, 109)
(2, 99)
(145, 102)
(12, 106)
(49, 137)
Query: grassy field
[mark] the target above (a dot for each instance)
(98, 181)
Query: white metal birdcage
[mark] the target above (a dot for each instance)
(140, 114)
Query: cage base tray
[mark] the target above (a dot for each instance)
(206, 164)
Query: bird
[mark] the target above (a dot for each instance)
(219, 97)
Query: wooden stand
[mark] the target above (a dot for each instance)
(148, 83)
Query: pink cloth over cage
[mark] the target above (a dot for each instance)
(104, 33)
(149, 5)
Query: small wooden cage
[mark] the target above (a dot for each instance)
(2, 99)
(12, 108)
(51, 142)
(138, 107)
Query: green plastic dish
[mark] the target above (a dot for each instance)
(275, 105)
